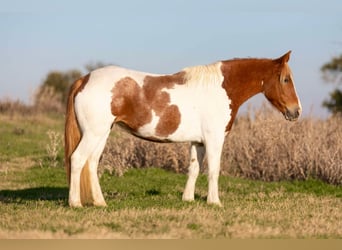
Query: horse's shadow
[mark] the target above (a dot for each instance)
(55, 194)
(19, 196)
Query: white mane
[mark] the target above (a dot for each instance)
(204, 75)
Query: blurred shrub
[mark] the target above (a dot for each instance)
(266, 147)
(51, 96)
(10, 107)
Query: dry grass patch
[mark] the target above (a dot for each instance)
(265, 147)
(309, 218)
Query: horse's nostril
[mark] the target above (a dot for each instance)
(292, 114)
(297, 112)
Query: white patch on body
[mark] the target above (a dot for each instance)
(149, 129)
(202, 102)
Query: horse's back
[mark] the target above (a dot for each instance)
(101, 83)
(110, 75)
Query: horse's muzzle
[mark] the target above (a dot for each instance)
(292, 114)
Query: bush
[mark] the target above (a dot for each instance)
(267, 147)
(10, 107)
(52, 94)
(47, 100)
(124, 151)
(261, 146)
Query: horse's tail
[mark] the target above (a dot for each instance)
(72, 133)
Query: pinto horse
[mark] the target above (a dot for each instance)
(198, 104)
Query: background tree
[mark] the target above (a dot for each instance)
(92, 66)
(332, 72)
(53, 92)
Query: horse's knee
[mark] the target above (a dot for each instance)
(76, 162)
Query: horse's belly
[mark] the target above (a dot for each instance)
(188, 129)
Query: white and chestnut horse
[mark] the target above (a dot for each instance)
(197, 104)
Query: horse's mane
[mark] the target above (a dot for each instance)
(203, 75)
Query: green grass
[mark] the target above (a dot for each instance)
(157, 188)
(22, 137)
(146, 203)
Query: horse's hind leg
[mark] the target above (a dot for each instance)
(79, 161)
(196, 159)
(98, 199)
(81, 167)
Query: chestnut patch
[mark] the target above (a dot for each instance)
(133, 104)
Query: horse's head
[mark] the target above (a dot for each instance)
(279, 89)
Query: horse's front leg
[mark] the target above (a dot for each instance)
(196, 159)
(214, 149)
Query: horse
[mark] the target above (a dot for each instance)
(197, 104)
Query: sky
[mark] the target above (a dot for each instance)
(163, 37)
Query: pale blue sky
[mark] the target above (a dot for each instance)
(165, 36)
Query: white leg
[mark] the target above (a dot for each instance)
(196, 159)
(74, 190)
(78, 160)
(214, 150)
(94, 180)
(85, 151)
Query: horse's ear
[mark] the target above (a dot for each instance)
(285, 58)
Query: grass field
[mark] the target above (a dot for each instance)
(146, 203)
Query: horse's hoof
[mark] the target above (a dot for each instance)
(75, 204)
(216, 203)
(100, 204)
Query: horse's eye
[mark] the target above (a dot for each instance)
(286, 80)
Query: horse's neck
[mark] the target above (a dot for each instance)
(244, 79)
